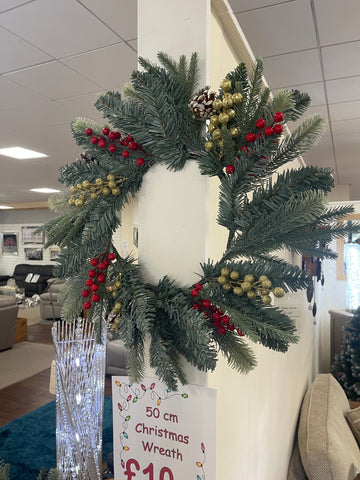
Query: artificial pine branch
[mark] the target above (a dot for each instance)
(136, 351)
(302, 139)
(283, 101)
(269, 326)
(187, 327)
(269, 197)
(43, 474)
(164, 360)
(238, 354)
(276, 230)
(4, 470)
(252, 99)
(187, 75)
(281, 273)
(302, 101)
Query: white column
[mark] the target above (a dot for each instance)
(173, 210)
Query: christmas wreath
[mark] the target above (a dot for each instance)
(159, 119)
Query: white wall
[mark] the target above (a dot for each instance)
(257, 413)
(13, 221)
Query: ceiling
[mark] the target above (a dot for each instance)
(56, 56)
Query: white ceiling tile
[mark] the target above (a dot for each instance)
(348, 154)
(7, 4)
(355, 191)
(15, 95)
(18, 53)
(289, 69)
(244, 5)
(345, 111)
(83, 106)
(120, 15)
(133, 44)
(321, 154)
(349, 175)
(37, 173)
(341, 60)
(47, 114)
(344, 127)
(317, 109)
(343, 89)
(281, 28)
(8, 126)
(42, 138)
(109, 67)
(347, 148)
(315, 90)
(54, 80)
(58, 28)
(338, 21)
(65, 27)
(312, 110)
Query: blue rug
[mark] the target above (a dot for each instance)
(28, 443)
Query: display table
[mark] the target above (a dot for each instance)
(338, 319)
(21, 334)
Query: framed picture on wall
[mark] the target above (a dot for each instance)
(29, 235)
(9, 243)
(54, 253)
(33, 253)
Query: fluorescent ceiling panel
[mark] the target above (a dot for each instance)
(21, 153)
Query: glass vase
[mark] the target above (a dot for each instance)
(80, 378)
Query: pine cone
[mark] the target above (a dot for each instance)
(202, 104)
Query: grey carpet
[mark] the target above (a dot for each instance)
(23, 360)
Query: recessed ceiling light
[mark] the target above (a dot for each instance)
(5, 207)
(21, 153)
(44, 190)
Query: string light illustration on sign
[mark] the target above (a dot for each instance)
(159, 119)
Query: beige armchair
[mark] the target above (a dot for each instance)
(8, 316)
(50, 307)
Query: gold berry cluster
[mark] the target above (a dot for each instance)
(116, 312)
(115, 286)
(86, 190)
(225, 112)
(248, 285)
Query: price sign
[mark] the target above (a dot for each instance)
(160, 434)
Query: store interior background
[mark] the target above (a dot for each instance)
(60, 55)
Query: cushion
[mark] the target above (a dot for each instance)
(116, 358)
(327, 446)
(296, 469)
(353, 418)
(7, 300)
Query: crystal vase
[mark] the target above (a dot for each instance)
(80, 378)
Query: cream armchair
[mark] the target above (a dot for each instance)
(50, 307)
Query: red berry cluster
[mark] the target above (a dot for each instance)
(221, 322)
(96, 277)
(113, 142)
(268, 131)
